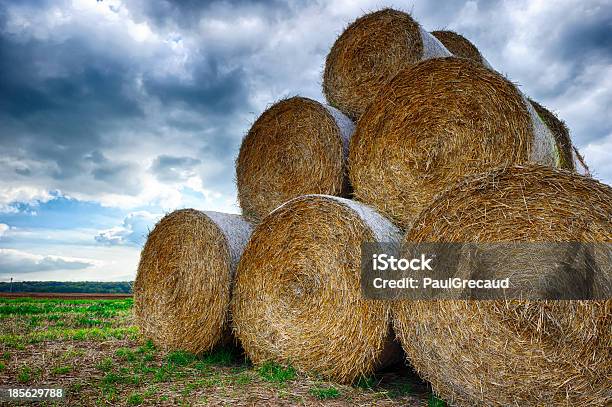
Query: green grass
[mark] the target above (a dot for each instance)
(435, 402)
(180, 358)
(88, 322)
(34, 306)
(25, 374)
(273, 372)
(126, 354)
(323, 393)
(61, 370)
(222, 356)
(106, 364)
(242, 378)
(135, 399)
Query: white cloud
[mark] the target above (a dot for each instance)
(3, 228)
(133, 231)
(22, 194)
(17, 261)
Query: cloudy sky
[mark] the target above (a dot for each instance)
(114, 112)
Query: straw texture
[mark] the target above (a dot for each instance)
(524, 353)
(369, 53)
(297, 297)
(434, 123)
(460, 46)
(298, 146)
(182, 289)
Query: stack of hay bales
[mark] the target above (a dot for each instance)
(443, 149)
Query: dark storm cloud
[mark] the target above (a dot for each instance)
(211, 90)
(585, 39)
(188, 13)
(61, 118)
(174, 169)
(114, 172)
(66, 96)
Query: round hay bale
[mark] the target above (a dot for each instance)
(561, 134)
(296, 147)
(523, 353)
(182, 289)
(460, 46)
(369, 53)
(297, 297)
(434, 123)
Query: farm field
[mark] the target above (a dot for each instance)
(92, 349)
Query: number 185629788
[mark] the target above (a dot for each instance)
(13, 393)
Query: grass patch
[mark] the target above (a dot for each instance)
(180, 358)
(222, 356)
(324, 393)
(123, 371)
(125, 354)
(34, 322)
(34, 306)
(273, 372)
(433, 401)
(25, 374)
(135, 399)
(162, 374)
(112, 378)
(241, 378)
(85, 334)
(60, 370)
(106, 364)
(90, 323)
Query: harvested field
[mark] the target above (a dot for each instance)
(92, 350)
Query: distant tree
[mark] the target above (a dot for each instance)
(97, 287)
